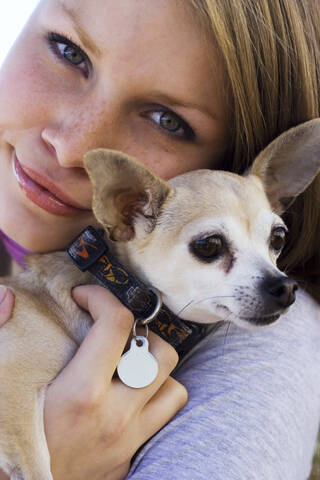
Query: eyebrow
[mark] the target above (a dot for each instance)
(86, 40)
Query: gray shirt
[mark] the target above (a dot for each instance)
(254, 405)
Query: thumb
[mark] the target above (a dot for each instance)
(6, 304)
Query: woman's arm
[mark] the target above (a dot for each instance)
(253, 409)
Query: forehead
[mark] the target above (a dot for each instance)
(137, 26)
(206, 200)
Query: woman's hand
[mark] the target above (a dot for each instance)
(94, 423)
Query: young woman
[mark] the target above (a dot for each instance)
(179, 84)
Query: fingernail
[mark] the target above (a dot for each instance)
(3, 293)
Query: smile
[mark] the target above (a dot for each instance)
(45, 194)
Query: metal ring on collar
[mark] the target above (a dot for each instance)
(134, 328)
(157, 308)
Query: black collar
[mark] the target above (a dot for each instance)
(90, 252)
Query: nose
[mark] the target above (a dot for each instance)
(77, 131)
(280, 290)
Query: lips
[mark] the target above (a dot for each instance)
(45, 194)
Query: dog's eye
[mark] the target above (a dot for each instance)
(209, 248)
(278, 238)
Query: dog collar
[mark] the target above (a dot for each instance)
(90, 252)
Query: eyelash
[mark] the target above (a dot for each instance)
(187, 131)
(55, 38)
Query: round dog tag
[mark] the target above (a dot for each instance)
(138, 367)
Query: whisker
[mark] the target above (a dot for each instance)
(226, 335)
(183, 308)
(200, 301)
(213, 298)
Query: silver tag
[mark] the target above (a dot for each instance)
(138, 368)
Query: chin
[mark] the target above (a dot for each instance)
(40, 232)
(39, 237)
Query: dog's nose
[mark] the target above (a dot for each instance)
(281, 290)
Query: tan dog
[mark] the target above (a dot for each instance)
(206, 239)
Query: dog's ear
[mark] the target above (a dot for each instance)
(123, 190)
(289, 164)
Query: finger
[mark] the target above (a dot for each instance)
(171, 397)
(101, 350)
(6, 304)
(167, 359)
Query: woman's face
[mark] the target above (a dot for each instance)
(127, 75)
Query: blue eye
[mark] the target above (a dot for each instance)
(68, 51)
(172, 123)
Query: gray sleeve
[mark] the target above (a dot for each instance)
(253, 409)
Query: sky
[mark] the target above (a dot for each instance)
(13, 15)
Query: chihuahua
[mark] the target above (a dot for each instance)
(208, 240)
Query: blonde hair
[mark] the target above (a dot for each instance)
(270, 51)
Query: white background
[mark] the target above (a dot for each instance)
(13, 16)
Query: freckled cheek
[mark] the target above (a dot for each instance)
(26, 95)
(168, 165)
(149, 150)
(165, 166)
(163, 155)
